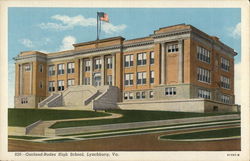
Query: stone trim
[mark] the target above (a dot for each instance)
(172, 33)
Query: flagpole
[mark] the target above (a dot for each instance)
(97, 23)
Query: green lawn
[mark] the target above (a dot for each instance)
(58, 140)
(229, 132)
(25, 117)
(123, 132)
(134, 116)
(163, 126)
(25, 137)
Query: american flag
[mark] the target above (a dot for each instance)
(104, 16)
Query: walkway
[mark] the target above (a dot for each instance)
(149, 126)
(39, 129)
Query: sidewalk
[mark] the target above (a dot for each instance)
(144, 124)
(39, 129)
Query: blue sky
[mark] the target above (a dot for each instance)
(55, 29)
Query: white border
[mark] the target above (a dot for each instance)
(173, 155)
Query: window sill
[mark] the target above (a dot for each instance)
(224, 70)
(204, 82)
(128, 85)
(226, 88)
(142, 65)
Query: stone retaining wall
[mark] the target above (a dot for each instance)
(187, 105)
(16, 130)
(120, 126)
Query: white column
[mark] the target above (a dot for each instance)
(21, 79)
(163, 63)
(102, 71)
(180, 70)
(91, 71)
(31, 73)
(113, 70)
(81, 71)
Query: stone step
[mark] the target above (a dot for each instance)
(40, 128)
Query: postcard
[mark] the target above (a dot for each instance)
(124, 80)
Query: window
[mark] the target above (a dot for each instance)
(173, 48)
(203, 54)
(129, 60)
(152, 57)
(170, 91)
(109, 80)
(152, 76)
(138, 95)
(131, 95)
(51, 86)
(109, 63)
(225, 64)
(27, 67)
(87, 65)
(52, 70)
(24, 100)
(225, 82)
(204, 94)
(143, 95)
(60, 85)
(151, 94)
(203, 75)
(87, 81)
(128, 96)
(71, 82)
(225, 99)
(98, 64)
(141, 78)
(125, 96)
(60, 69)
(128, 79)
(41, 84)
(71, 67)
(141, 59)
(40, 68)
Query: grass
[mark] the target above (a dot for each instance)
(163, 126)
(25, 137)
(58, 140)
(131, 132)
(25, 117)
(134, 116)
(229, 132)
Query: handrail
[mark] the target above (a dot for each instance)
(90, 98)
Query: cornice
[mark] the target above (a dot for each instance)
(172, 33)
(139, 44)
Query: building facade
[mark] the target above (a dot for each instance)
(176, 63)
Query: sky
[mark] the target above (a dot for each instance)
(56, 29)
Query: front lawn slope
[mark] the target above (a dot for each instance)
(25, 117)
(221, 133)
(134, 116)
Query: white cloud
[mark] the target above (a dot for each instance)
(27, 43)
(35, 43)
(66, 22)
(237, 83)
(235, 31)
(109, 28)
(67, 43)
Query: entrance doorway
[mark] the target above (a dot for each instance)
(97, 79)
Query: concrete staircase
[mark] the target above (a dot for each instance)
(85, 96)
(45, 102)
(40, 128)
